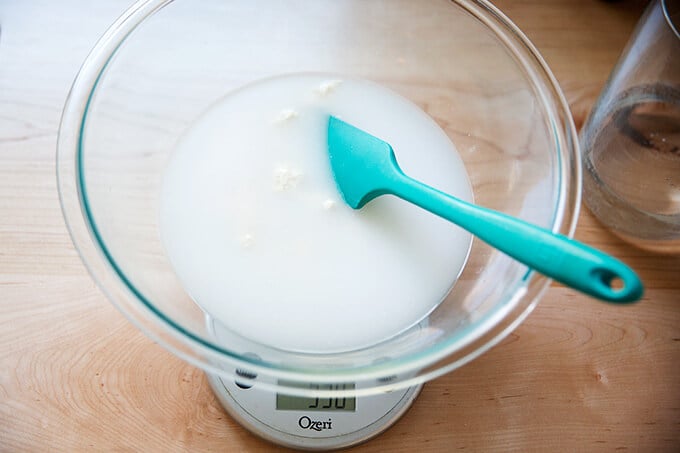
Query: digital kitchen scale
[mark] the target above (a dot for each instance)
(309, 423)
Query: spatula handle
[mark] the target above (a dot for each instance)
(556, 256)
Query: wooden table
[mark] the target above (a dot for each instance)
(578, 375)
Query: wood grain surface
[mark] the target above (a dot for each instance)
(76, 376)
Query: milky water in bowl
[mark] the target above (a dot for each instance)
(260, 238)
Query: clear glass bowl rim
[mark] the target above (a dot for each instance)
(192, 348)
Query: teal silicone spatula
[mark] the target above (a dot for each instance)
(365, 167)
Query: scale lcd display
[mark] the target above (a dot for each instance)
(303, 403)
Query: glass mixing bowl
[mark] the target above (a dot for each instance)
(163, 63)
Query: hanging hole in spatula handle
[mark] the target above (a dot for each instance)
(617, 285)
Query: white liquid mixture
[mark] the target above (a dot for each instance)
(261, 239)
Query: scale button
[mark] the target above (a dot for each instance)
(384, 379)
(246, 374)
(387, 379)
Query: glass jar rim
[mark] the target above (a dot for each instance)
(672, 17)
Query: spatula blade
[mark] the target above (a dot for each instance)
(361, 163)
